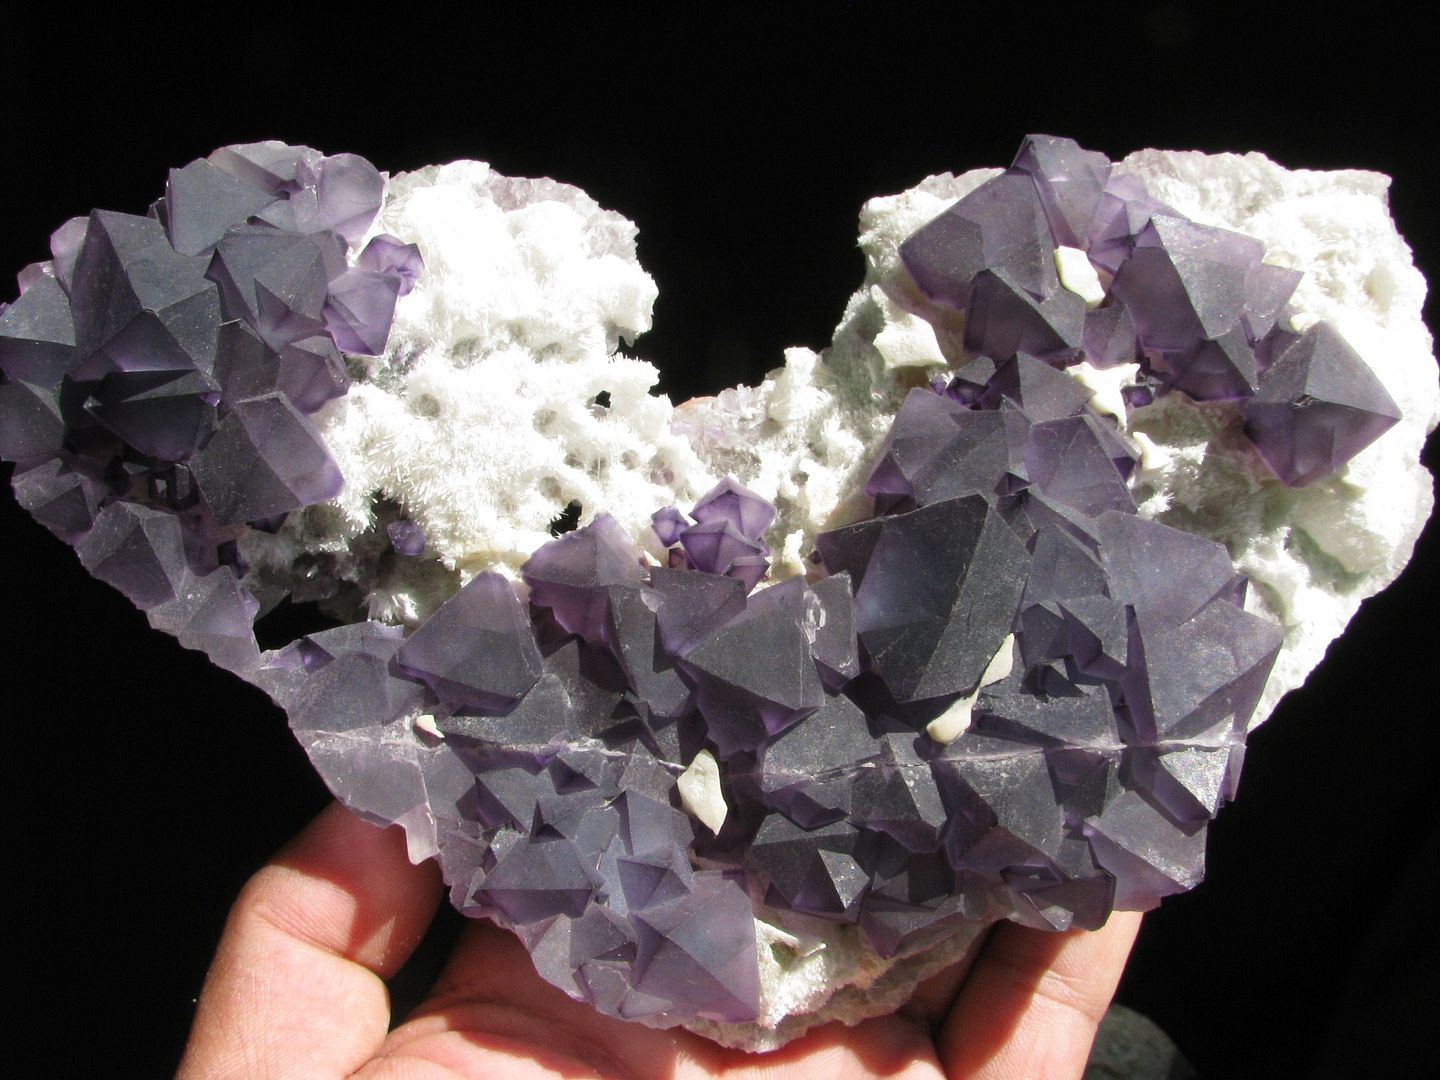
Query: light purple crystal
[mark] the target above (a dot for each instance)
(65, 249)
(270, 166)
(276, 281)
(1070, 182)
(359, 308)
(1125, 208)
(344, 199)
(388, 255)
(714, 546)
(311, 372)
(728, 501)
(569, 575)
(668, 524)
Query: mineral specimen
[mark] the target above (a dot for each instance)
(917, 658)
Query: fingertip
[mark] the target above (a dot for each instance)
(348, 887)
(295, 988)
(1034, 999)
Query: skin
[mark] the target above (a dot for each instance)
(297, 990)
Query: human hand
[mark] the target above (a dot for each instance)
(297, 991)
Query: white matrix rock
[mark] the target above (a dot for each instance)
(481, 424)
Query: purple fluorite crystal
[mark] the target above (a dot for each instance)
(729, 522)
(992, 256)
(387, 255)
(201, 336)
(1195, 305)
(1318, 406)
(406, 537)
(996, 697)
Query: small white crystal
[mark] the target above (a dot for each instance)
(1106, 386)
(955, 721)
(1077, 273)
(700, 793)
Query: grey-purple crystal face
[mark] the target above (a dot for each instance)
(994, 698)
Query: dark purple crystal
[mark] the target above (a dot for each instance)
(1318, 406)
(992, 255)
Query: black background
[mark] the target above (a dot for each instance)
(142, 787)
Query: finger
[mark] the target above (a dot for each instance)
(1033, 1001)
(491, 1015)
(296, 986)
(934, 997)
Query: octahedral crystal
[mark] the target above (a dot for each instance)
(1317, 406)
(1004, 693)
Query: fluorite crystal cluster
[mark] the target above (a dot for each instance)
(1003, 692)
(1058, 259)
(160, 370)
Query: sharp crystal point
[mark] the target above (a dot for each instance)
(1070, 182)
(203, 202)
(359, 308)
(728, 501)
(275, 280)
(139, 551)
(37, 336)
(1000, 226)
(693, 606)
(477, 649)
(754, 676)
(931, 634)
(31, 427)
(569, 575)
(1041, 391)
(311, 372)
(272, 166)
(1318, 406)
